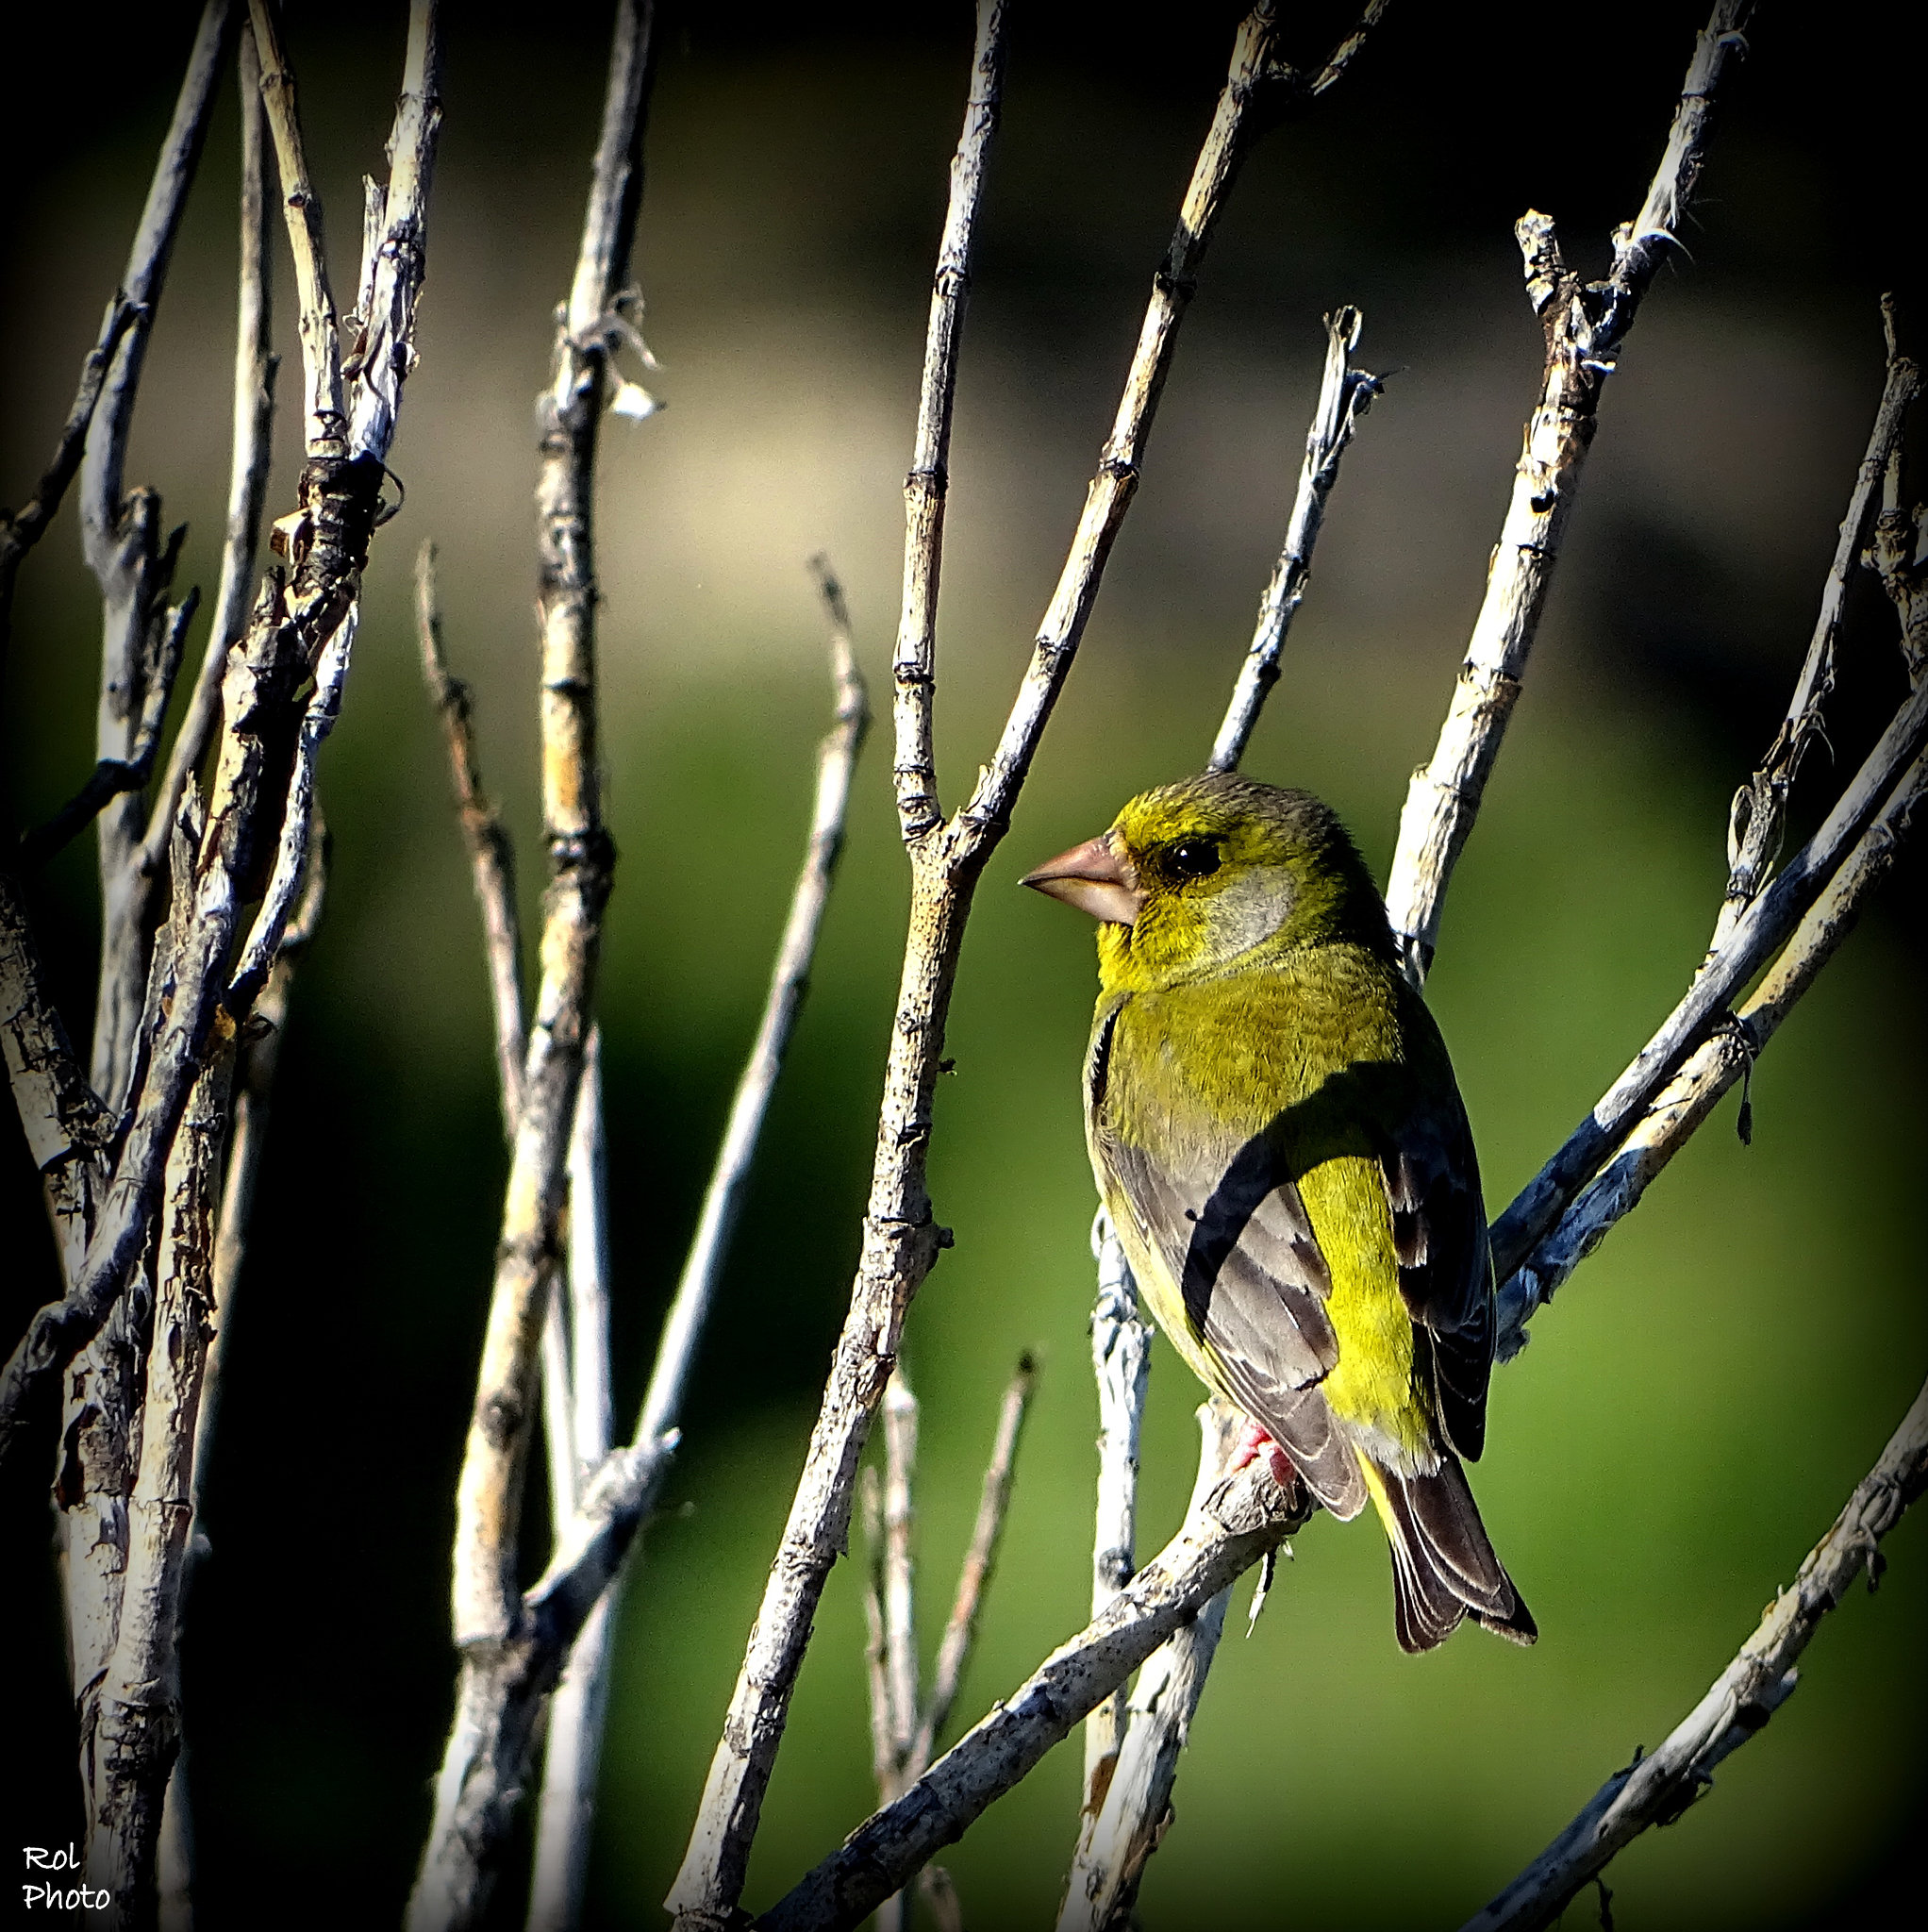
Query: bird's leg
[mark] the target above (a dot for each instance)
(1253, 1443)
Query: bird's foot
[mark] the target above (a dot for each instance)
(1253, 1443)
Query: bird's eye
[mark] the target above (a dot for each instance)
(1194, 858)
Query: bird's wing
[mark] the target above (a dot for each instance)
(1225, 1225)
(1445, 1270)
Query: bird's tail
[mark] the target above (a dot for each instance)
(1443, 1567)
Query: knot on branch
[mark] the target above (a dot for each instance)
(584, 862)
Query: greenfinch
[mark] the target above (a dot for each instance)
(1279, 1140)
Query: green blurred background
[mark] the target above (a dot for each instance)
(1692, 1412)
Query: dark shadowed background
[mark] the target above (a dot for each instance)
(1695, 1408)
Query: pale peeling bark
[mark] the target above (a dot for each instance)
(1130, 1819)
(1660, 1786)
(138, 1727)
(1586, 325)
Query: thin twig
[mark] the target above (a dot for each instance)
(111, 777)
(1754, 822)
(1122, 1364)
(1344, 395)
(1657, 1788)
(21, 530)
(901, 1238)
(323, 423)
(492, 854)
(68, 1127)
(488, 1605)
(1113, 1852)
(576, 1396)
(1237, 1523)
(1673, 1114)
(914, 670)
(900, 1603)
(899, 1606)
(482, 1771)
(980, 1561)
(1753, 940)
(723, 1200)
(1586, 325)
(255, 364)
(132, 557)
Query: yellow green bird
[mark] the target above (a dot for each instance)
(1278, 1137)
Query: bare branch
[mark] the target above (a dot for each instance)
(982, 822)
(111, 777)
(901, 1238)
(21, 530)
(578, 1707)
(723, 1200)
(1122, 1363)
(384, 348)
(297, 821)
(1344, 395)
(1347, 51)
(488, 1606)
(926, 486)
(294, 626)
(1585, 325)
(132, 559)
(323, 422)
(136, 1732)
(1724, 1056)
(900, 1606)
(67, 1126)
(1754, 833)
(255, 364)
(877, 1638)
(1237, 1522)
(1658, 1788)
(980, 1561)
(1114, 1849)
(1759, 933)
(492, 856)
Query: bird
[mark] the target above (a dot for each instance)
(1279, 1140)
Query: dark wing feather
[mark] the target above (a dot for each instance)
(1445, 1273)
(1236, 1238)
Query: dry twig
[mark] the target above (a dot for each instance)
(1344, 395)
(1586, 324)
(492, 858)
(1660, 1786)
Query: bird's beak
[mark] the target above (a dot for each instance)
(1093, 876)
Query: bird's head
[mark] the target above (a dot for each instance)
(1194, 877)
